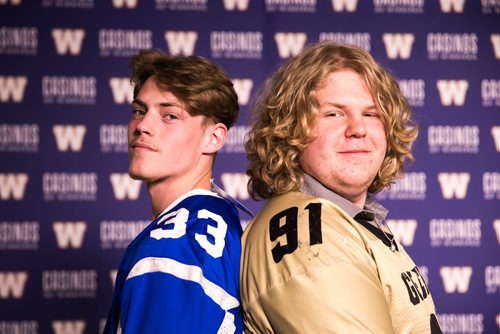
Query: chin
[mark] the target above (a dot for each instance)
(136, 175)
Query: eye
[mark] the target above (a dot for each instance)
(138, 113)
(170, 117)
(333, 114)
(375, 114)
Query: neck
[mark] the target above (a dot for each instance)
(164, 192)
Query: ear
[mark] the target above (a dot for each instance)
(216, 136)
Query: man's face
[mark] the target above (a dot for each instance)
(349, 139)
(165, 141)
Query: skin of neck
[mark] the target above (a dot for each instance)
(164, 192)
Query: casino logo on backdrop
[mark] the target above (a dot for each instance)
(19, 327)
(20, 41)
(466, 323)
(448, 46)
(360, 39)
(490, 6)
(414, 91)
(492, 279)
(187, 5)
(69, 89)
(398, 6)
(69, 186)
(69, 283)
(291, 6)
(113, 138)
(80, 4)
(123, 42)
(117, 234)
(490, 93)
(455, 232)
(19, 138)
(19, 235)
(453, 139)
(235, 140)
(236, 44)
(412, 186)
(491, 185)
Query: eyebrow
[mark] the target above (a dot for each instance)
(343, 106)
(162, 104)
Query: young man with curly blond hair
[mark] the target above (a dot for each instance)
(332, 126)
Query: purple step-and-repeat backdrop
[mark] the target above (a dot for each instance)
(68, 208)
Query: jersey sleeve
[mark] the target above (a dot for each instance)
(185, 276)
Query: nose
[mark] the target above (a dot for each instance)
(144, 125)
(356, 126)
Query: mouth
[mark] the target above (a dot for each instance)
(141, 146)
(360, 151)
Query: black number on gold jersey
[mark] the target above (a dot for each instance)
(277, 228)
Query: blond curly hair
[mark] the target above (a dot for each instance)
(287, 107)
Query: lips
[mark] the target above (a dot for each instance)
(142, 146)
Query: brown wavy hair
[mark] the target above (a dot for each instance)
(199, 83)
(287, 107)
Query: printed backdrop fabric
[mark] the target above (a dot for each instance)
(68, 208)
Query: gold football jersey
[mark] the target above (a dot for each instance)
(308, 267)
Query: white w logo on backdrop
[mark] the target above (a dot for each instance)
(12, 2)
(456, 279)
(495, 42)
(454, 184)
(289, 44)
(12, 284)
(403, 230)
(398, 45)
(69, 234)
(68, 326)
(496, 227)
(452, 91)
(243, 87)
(69, 136)
(12, 88)
(452, 5)
(122, 90)
(125, 187)
(235, 184)
(241, 5)
(495, 132)
(181, 42)
(13, 185)
(341, 5)
(68, 40)
(125, 3)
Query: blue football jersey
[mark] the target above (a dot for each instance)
(180, 274)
